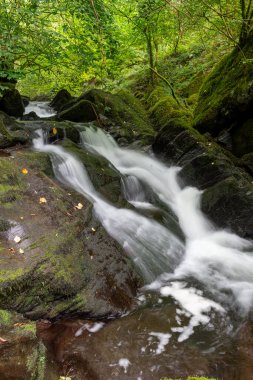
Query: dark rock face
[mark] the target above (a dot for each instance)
(231, 200)
(228, 190)
(31, 116)
(61, 99)
(26, 100)
(12, 103)
(226, 100)
(82, 111)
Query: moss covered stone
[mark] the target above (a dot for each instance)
(80, 111)
(125, 111)
(226, 96)
(165, 111)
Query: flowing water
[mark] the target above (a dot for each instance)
(42, 109)
(198, 289)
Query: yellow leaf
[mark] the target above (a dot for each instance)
(43, 200)
(21, 250)
(93, 229)
(79, 206)
(17, 239)
(54, 131)
(24, 171)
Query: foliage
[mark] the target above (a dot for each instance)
(76, 44)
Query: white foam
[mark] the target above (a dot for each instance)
(124, 363)
(163, 341)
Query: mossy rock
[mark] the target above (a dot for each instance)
(22, 356)
(165, 110)
(247, 161)
(125, 111)
(62, 98)
(81, 111)
(12, 103)
(226, 96)
(69, 265)
(242, 138)
(229, 204)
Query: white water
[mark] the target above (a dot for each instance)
(41, 109)
(219, 261)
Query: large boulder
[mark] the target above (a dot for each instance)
(227, 187)
(226, 100)
(81, 111)
(64, 263)
(62, 98)
(12, 103)
(128, 118)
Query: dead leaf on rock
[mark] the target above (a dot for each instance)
(17, 239)
(43, 200)
(21, 250)
(79, 206)
(12, 250)
(24, 171)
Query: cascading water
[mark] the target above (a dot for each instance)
(218, 262)
(42, 109)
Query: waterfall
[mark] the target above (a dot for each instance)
(218, 260)
(42, 109)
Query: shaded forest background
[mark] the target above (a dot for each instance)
(50, 44)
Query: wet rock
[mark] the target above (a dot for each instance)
(242, 138)
(247, 161)
(26, 100)
(81, 111)
(22, 356)
(30, 116)
(12, 103)
(69, 265)
(227, 197)
(226, 100)
(229, 204)
(129, 348)
(62, 98)
(128, 118)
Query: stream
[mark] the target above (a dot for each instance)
(193, 313)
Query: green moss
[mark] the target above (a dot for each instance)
(165, 111)
(227, 86)
(36, 363)
(5, 317)
(39, 161)
(125, 110)
(4, 132)
(10, 275)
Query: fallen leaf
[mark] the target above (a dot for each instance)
(20, 324)
(65, 378)
(21, 217)
(79, 206)
(2, 340)
(12, 250)
(17, 239)
(54, 131)
(24, 171)
(21, 250)
(43, 200)
(93, 229)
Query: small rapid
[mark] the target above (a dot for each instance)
(208, 270)
(42, 109)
